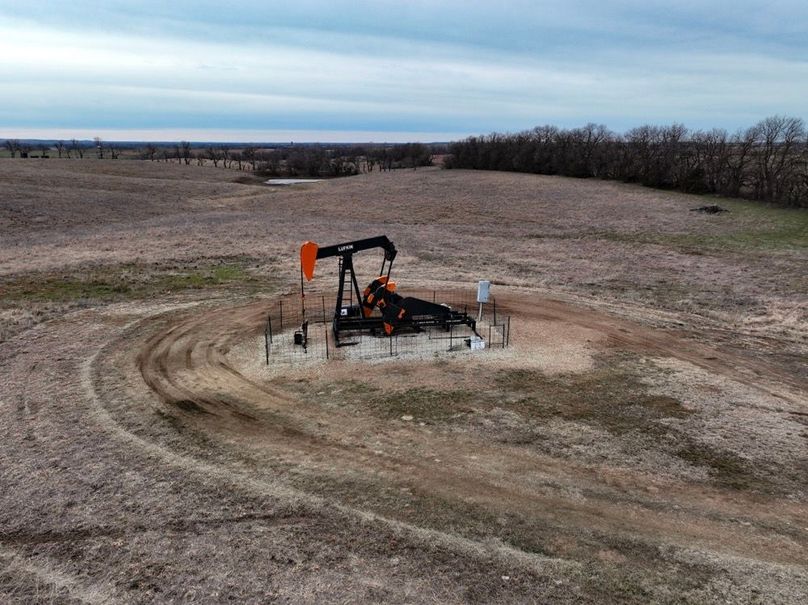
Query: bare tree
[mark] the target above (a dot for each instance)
(186, 151)
(151, 151)
(99, 147)
(77, 147)
(213, 155)
(13, 146)
(60, 147)
(113, 151)
(236, 156)
(224, 153)
(250, 156)
(776, 164)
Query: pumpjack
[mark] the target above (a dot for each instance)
(378, 309)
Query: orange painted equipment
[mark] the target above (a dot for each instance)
(308, 258)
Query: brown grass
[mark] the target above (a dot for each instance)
(643, 441)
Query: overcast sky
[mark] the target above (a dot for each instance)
(405, 70)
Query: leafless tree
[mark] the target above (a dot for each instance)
(224, 154)
(739, 160)
(213, 155)
(77, 147)
(250, 156)
(712, 151)
(236, 156)
(13, 146)
(60, 147)
(186, 151)
(113, 151)
(151, 151)
(776, 163)
(99, 147)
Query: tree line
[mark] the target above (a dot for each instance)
(767, 162)
(70, 149)
(312, 160)
(307, 159)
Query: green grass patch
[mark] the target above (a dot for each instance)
(611, 397)
(129, 281)
(748, 226)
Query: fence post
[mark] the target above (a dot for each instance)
(323, 308)
(451, 334)
(507, 341)
(325, 332)
(266, 343)
(495, 309)
(269, 326)
(390, 338)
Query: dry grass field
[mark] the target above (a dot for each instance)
(644, 440)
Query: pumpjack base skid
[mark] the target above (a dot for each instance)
(346, 327)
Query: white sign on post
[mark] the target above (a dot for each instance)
(482, 291)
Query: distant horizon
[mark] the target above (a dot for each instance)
(284, 137)
(223, 136)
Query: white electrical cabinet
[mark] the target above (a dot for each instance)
(483, 288)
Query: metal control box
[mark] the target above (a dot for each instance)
(483, 288)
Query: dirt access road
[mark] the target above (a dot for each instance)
(643, 441)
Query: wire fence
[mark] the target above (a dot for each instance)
(294, 335)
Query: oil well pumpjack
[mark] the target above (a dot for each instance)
(378, 310)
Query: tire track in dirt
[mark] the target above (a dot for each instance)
(302, 501)
(46, 573)
(174, 526)
(188, 362)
